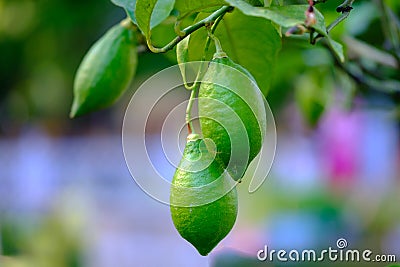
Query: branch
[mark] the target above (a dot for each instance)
(346, 6)
(188, 30)
(345, 9)
(336, 22)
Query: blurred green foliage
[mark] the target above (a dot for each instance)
(46, 243)
(43, 42)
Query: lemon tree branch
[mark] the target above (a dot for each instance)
(188, 30)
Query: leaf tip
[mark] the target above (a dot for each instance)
(74, 110)
(72, 114)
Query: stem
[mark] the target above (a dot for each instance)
(219, 52)
(346, 6)
(188, 30)
(206, 47)
(177, 28)
(189, 110)
(336, 22)
(312, 39)
(196, 84)
(177, 25)
(345, 9)
(208, 41)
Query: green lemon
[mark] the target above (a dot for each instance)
(203, 200)
(232, 113)
(106, 71)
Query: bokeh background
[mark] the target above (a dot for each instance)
(68, 200)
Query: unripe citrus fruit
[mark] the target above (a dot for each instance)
(106, 71)
(232, 113)
(203, 200)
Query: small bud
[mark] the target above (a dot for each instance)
(310, 18)
(298, 29)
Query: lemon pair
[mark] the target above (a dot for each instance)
(204, 201)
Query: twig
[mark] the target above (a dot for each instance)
(346, 6)
(342, 17)
(188, 117)
(345, 9)
(188, 30)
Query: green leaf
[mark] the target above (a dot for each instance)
(267, 3)
(289, 16)
(285, 16)
(182, 56)
(124, 3)
(186, 7)
(255, 2)
(144, 11)
(131, 15)
(161, 11)
(129, 6)
(250, 41)
(336, 47)
(151, 13)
